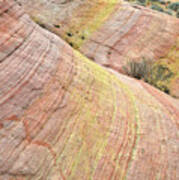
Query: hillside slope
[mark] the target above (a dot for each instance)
(64, 117)
(114, 34)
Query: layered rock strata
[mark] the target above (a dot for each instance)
(64, 117)
(114, 34)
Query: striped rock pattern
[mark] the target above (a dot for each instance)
(112, 33)
(64, 117)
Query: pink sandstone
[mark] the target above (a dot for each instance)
(112, 33)
(64, 117)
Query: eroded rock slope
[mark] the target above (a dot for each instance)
(64, 117)
(114, 34)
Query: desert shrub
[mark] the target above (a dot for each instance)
(162, 2)
(139, 70)
(157, 8)
(42, 25)
(174, 6)
(160, 77)
(160, 72)
(157, 75)
(177, 13)
(141, 4)
(39, 22)
(141, 1)
(159, 1)
(153, 0)
(57, 25)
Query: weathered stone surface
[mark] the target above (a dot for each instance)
(112, 33)
(65, 117)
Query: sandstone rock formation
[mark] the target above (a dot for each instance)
(64, 117)
(112, 33)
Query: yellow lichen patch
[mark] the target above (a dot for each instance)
(87, 20)
(92, 131)
(171, 63)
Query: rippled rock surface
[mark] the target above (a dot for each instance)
(64, 117)
(113, 33)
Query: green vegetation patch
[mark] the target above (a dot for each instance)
(157, 8)
(157, 75)
(164, 6)
(174, 6)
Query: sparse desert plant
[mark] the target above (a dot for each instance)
(157, 75)
(39, 22)
(157, 8)
(153, 0)
(141, 4)
(177, 13)
(139, 70)
(174, 6)
(162, 2)
(160, 77)
(164, 6)
(141, 1)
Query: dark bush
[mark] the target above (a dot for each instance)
(141, 1)
(141, 4)
(174, 6)
(157, 75)
(57, 25)
(69, 34)
(153, 0)
(162, 2)
(157, 8)
(177, 14)
(139, 70)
